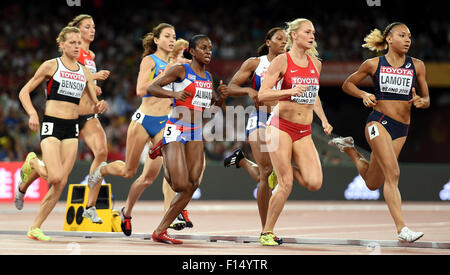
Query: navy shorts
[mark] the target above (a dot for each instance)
(393, 127)
(257, 120)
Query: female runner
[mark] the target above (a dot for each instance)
(395, 77)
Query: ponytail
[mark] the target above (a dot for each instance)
(376, 41)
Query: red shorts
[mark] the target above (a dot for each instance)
(294, 130)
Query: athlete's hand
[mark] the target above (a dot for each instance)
(223, 90)
(98, 90)
(33, 123)
(419, 102)
(181, 96)
(101, 107)
(253, 94)
(369, 100)
(298, 90)
(102, 75)
(327, 128)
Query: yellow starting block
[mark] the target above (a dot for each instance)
(77, 198)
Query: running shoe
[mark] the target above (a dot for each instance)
(185, 215)
(409, 236)
(178, 224)
(156, 150)
(234, 158)
(91, 214)
(125, 223)
(342, 143)
(96, 176)
(275, 238)
(19, 197)
(268, 239)
(38, 235)
(26, 169)
(272, 180)
(165, 238)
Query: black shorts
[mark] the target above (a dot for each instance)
(83, 119)
(59, 128)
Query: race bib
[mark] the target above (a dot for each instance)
(203, 94)
(396, 80)
(308, 97)
(47, 129)
(138, 117)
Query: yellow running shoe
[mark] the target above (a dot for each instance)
(38, 235)
(268, 239)
(26, 169)
(273, 180)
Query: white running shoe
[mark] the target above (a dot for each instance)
(341, 142)
(96, 176)
(91, 214)
(409, 236)
(19, 197)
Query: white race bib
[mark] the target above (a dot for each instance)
(396, 80)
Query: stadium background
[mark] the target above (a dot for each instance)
(27, 37)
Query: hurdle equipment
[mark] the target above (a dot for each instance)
(77, 198)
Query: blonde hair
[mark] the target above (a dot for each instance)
(63, 35)
(376, 41)
(148, 42)
(76, 22)
(292, 27)
(179, 46)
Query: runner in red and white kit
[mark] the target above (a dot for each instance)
(91, 130)
(289, 133)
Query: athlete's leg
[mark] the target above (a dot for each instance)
(280, 150)
(59, 157)
(264, 166)
(95, 138)
(307, 159)
(184, 164)
(137, 137)
(386, 153)
(148, 176)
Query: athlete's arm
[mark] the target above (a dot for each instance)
(240, 78)
(318, 109)
(276, 70)
(422, 101)
(173, 74)
(145, 70)
(44, 72)
(367, 68)
(91, 89)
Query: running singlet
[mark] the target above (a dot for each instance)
(86, 59)
(296, 75)
(392, 83)
(160, 66)
(260, 72)
(201, 90)
(66, 85)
